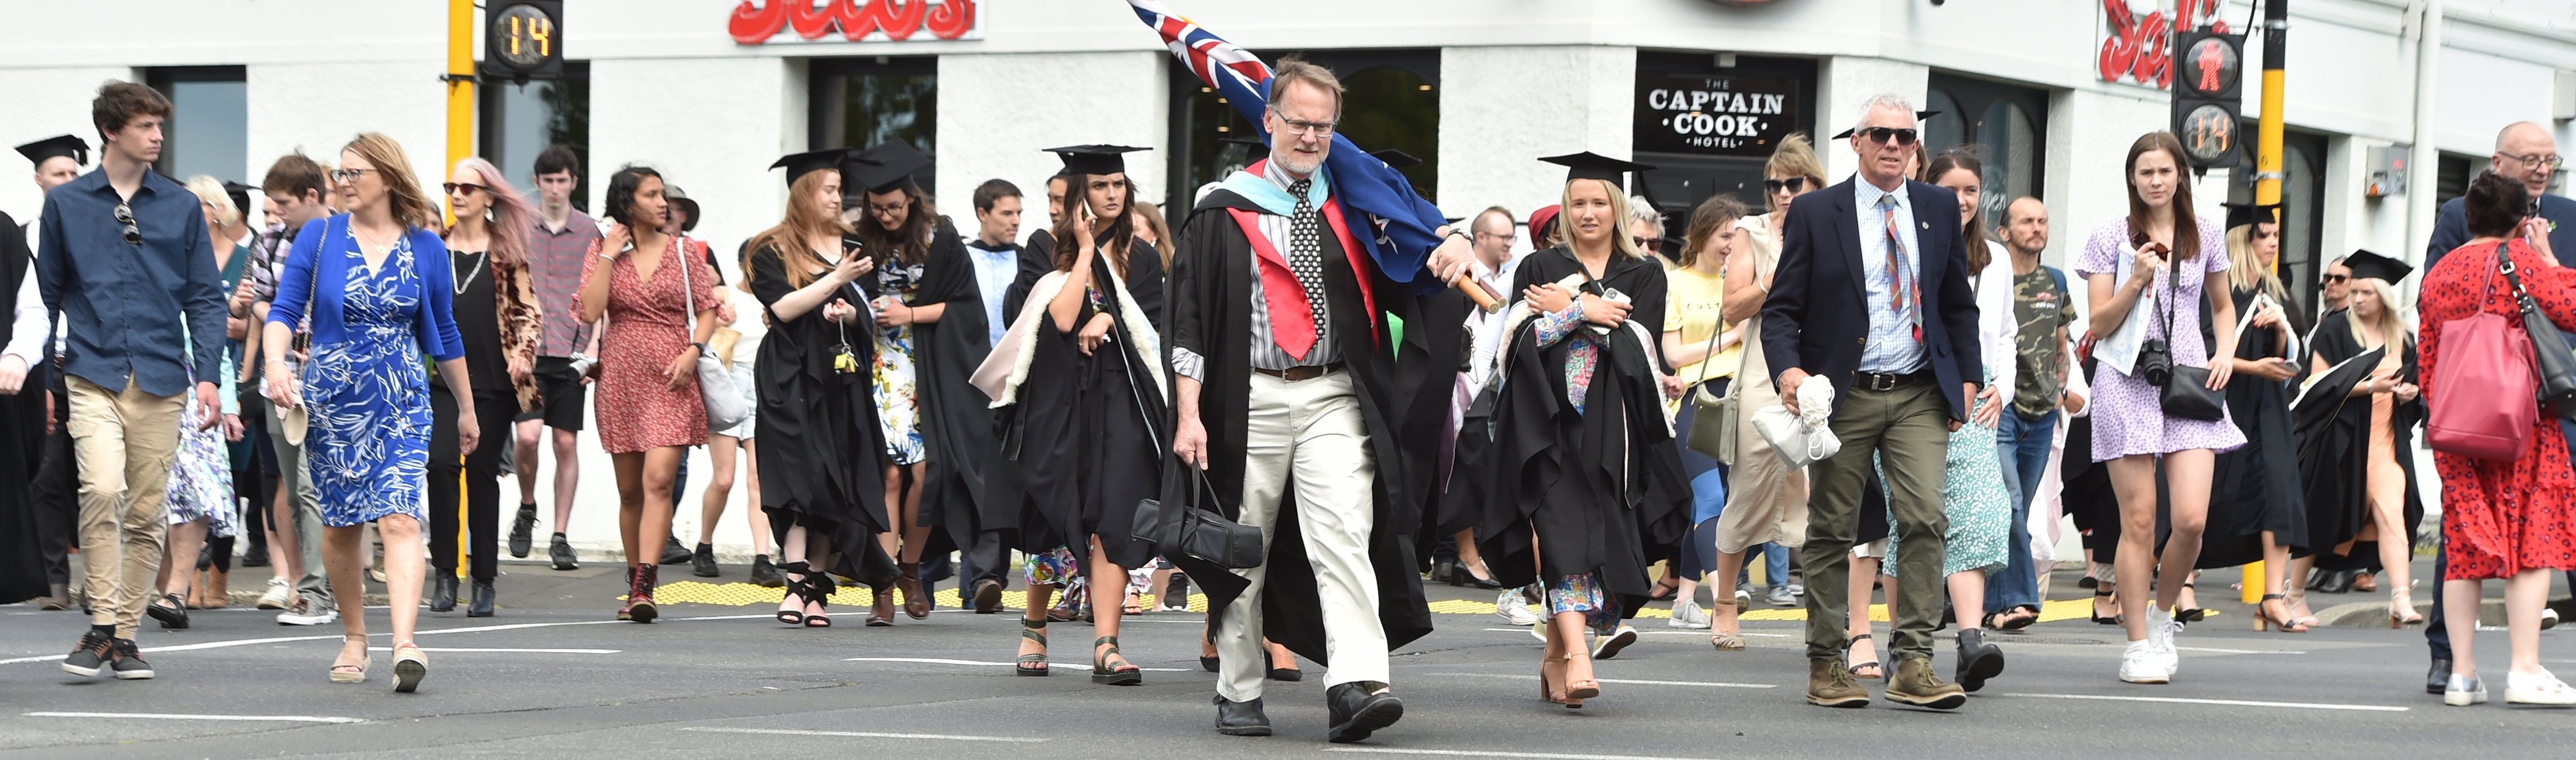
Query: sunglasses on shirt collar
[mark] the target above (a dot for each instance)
(125, 216)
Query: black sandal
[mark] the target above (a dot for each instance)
(2114, 619)
(1854, 668)
(1035, 630)
(1125, 675)
(2190, 614)
(795, 590)
(819, 588)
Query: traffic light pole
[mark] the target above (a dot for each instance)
(2267, 157)
(460, 85)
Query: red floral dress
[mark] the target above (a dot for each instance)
(2500, 518)
(648, 327)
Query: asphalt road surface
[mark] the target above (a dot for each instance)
(553, 676)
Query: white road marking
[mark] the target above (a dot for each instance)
(863, 734)
(1083, 666)
(2225, 702)
(2215, 650)
(1717, 684)
(1493, 753)
(1700, 633)
(506, 649)
(188, 716)
(336, 637)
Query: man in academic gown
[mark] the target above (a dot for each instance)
(957, 423)
(55, 491)
(22, 420)
(1289, 392)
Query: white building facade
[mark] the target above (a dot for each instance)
(1477, 88)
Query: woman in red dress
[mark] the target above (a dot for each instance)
(649, 408)
(2511, 519)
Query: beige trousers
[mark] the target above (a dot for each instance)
(125, 443)
(1308, 436)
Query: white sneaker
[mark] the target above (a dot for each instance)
(2161, 627)
(2548, 618)
(305, 612)
(2536, 689)
(1687, 614)
(1780, 597)
(1512, 609)
(281, 594)
(1607, 644)
(2143, 663)
(2465, 691)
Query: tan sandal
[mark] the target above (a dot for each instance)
(410, 665)
(342, 672)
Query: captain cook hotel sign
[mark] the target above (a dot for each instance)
(755, 22)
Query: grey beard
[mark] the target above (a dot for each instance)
(1290, 164)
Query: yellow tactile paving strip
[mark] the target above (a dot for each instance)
(745, 594)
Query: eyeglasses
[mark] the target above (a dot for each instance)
(469, 187)
(1646, 243)
(2551, 160)
(125, 216)
(1302, 127)
(1881, 134)
(2338, 279)
(347, 175)
(1791, 185)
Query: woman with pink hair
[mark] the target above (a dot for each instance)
(496, 316)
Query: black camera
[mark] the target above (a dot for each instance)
(2155, 361)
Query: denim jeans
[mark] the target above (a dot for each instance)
(2022, 447)
(1775, 565)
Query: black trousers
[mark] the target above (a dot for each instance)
(57, 496)
(478, 474)
(988, 559)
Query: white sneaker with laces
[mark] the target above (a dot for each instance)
(2464, 691)
(1687, 614)
(2142, 662)
(2540, 688)
(1780, 597)
(305, 612)
(2548, 618)
(1512, 609)
(2161, 627)
(281, 594)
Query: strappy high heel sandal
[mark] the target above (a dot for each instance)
(2265, 619)
(2401, 610)
(410, 665)
(793, 574)
(819, 588)
(1126, 674)
(1578, 690)
(343, 672)
(1549, 689)
(1855, 667)
(2100, 594)
(1033, 664)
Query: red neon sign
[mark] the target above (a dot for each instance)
(755, 21)
(2136, 50)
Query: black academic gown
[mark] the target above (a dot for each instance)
(2335, 458)
(1087, 433)
(1212, 276)
(22, 440)
(1428, 359)
(820, 443)
(956, 418)
(2256, 488)
(1602, 489)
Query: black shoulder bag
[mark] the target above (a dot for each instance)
(2552, 358)
(2186, 392)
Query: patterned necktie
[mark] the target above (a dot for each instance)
(1901, 295)
(1306, 252)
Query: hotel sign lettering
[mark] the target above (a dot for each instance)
(754, 22)
(1714, 114)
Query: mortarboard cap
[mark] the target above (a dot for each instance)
(1396, 159)
(1589, 165)
(884, 168)
(58, 145)
(2372, 266)
(1095, 159)
(1257, 150)
(1919, 116)
(679, 200)
(800, 164)
(2241, 214)
(240, 193)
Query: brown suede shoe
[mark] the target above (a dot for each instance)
(1830, 685)
(1915, 684)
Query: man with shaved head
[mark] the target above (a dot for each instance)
(2523, 152)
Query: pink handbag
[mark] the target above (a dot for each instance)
(2482, 406)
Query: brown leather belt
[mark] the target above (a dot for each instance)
(1887, 382)
(1294, 374)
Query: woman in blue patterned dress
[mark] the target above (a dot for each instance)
(378, 286)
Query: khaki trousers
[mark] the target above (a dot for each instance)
(125, 442)
(1308, 437)
(1907, 428)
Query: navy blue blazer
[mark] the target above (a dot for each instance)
(1807, 324)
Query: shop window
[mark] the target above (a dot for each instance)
(209, 127)
(1390, 99)
(2303, 253)
(2007, 124)
(520, 121)
(2451, 177)
(863, 102)
(1709, 129)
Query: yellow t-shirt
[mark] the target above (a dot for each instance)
(1692, 306)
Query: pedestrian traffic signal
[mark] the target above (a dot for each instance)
(2207, 95)
(524, 40)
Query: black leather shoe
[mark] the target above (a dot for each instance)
(988, 596)
(442, 591)
(702, 563)
(482, 604)
(523, 531)
(2439, 677)
(1978, 660)
(1241, 718)
(1359, 709)
(764, 574)
(672, 552)
(2337, 582)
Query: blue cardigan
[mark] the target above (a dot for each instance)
(327, 241)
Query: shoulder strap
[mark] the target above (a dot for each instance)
(2058, 275)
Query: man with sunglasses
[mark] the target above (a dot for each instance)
(124, 258)
(1903, 370)
(2523, 152)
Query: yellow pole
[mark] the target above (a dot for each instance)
(460, 85)
(2267, 180)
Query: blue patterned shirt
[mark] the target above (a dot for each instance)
(1893, 347)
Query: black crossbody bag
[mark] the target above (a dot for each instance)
(2186, 392)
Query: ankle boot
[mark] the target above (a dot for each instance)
(219, 589)
(626, 611)
(640, 607)
(881, 605)
(442, 591)
(915, 602)
(481, 606)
